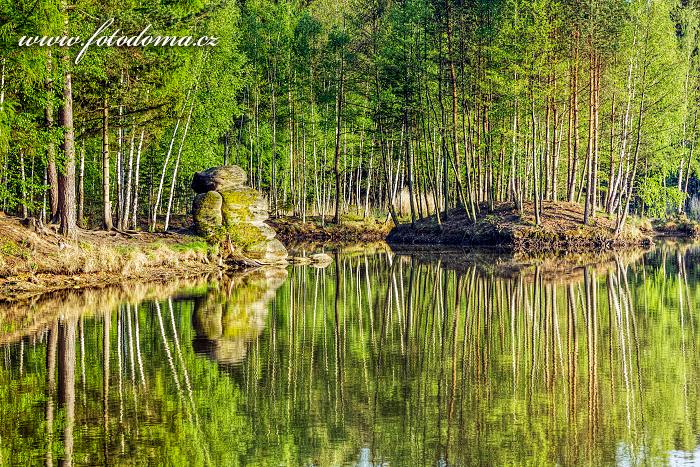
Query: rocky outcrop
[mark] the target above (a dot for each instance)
(224, 178)
(225, 210)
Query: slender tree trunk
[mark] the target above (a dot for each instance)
(126, 207)
(574, 123)
(24, 184)
(51, 172)
(66, 178)
(136, 181)
(469, 206)
(535, 182)
(177, 164)
(622, 217)
(611, 173)
(81, 188)
(156, 205)
(338, 122)
(588, 206)
(106, 202)
(513, 158)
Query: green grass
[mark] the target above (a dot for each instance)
(198, 246)
(10, 248)
(123, 249)
(85, 246)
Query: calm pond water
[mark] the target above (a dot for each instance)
(376, 359)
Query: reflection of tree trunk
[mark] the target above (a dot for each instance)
(590, 285)
(82, 359)
(631, 316)
(21, 355)
(51, 389)
(180, 358)
(514, 293)
(611, 324)
(572, 351)
(683, 279)
(338, 355)
(130, 339)
(138, 345)
(409, 309)
(105, 384)
(130, 330)
(370, 311)
(167, 349)
(119, 363)
(66, 384)
(622, 338)
(453, 387)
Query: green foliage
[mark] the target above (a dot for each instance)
(658, 200)
(457, 90)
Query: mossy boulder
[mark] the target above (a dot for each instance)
(232, 212)
(244, 235)
(226, 177)
(243, 205)
(208, 218)
(269, 251)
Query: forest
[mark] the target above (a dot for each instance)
(367, 108)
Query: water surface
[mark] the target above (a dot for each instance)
(376, 359)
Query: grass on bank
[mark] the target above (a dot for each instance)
(26, 253)
(677, 226)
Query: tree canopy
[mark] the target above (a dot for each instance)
(359, 107)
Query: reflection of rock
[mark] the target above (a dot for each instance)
(231, 316)
(226, 209)
(318, 260)
(321, 260)
(299, 260)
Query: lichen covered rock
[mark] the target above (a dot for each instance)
(243, 205)
(206, 211)
(235, 213)
(226, 177)
(268, 251)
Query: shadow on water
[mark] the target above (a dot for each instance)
(422, 358)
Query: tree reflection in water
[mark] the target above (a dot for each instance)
(377, 358)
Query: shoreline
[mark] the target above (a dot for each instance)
(34, 261)
(560, 231)
(114, 258)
